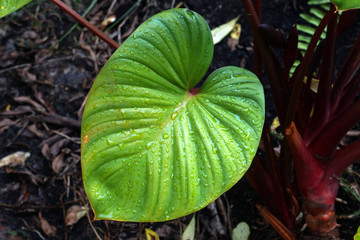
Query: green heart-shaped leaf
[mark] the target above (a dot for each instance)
(9, 6)
(152, 150)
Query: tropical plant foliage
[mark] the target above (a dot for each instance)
(154, 147)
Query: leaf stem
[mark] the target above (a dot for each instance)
(86, 23)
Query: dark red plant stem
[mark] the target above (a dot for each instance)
(86, 23)
(283, 231)
(269, 191)
(271, 64)
(347, 72)
(323, 98)
(350, 92)
(343, 159)
(325, 143)
(257, 5)
(308, 169)
(257, 57)
(304, 65)
(269, 149)
(290, 52)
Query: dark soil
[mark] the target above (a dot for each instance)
(43, 85)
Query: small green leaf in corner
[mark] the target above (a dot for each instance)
(343, 5)
(357, 235)
(9, 6)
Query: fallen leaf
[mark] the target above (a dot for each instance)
(189, 233)
(55, 148)
(26, 76)
(107, 21)
(24, 195)
(74, 214)
(241, 231)
(14, 159)
(29, 34)
(33, 129)
(42, 99)
(48, 229)
(58, 163)
(46, 152)
(234, 37)
(151, 235)
(220, 32)
(42, 55)
(6, 123)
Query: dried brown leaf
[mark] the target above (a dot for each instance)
(46, 152)
(42, 55)
(29, 34)
(6, 123)
(48, 229)
(14, 159)
(55, 148)
(33, 129)
(74, 214)
(24, 195)
(58, 163)
(26, 76)
(232, 43)
(42, 99)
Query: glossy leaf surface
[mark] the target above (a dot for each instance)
(346, 4)
(152, 150)
(9, 6)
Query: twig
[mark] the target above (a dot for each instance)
(86, 23)
(77, 24)
(56, 119)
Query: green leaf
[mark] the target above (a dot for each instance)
(152, 148)
(346, 4)
(241, 232)
(189, 233)
(9, 6)
(357, 235)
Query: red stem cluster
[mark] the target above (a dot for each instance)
(313, 122)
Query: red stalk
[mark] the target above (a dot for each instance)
(350, 93)
(322, 103)
(269, 190)
(304, 65)
(343, 159)
(290, 51)
(309, 171)
(86, 23)
(257, 58)
(271, 64)
(347, 72)
(325, 143)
